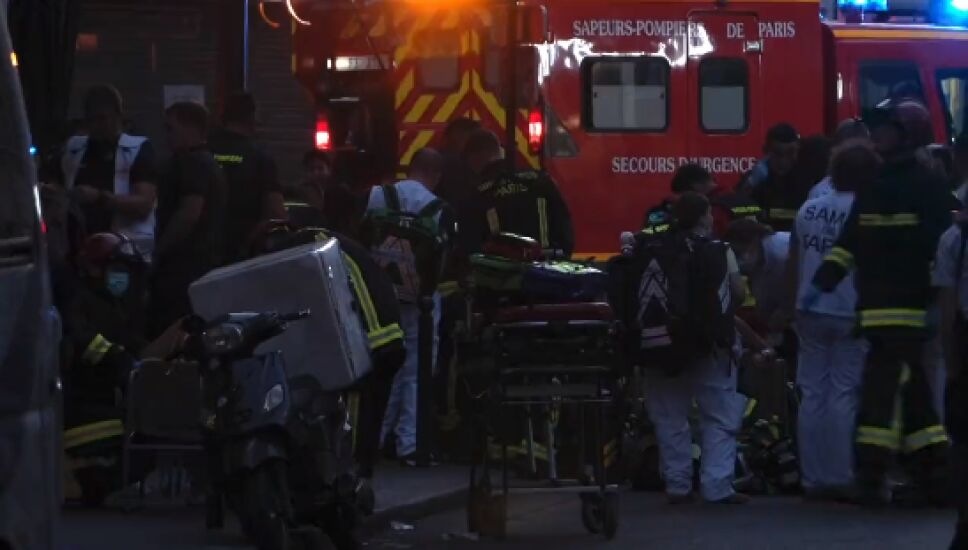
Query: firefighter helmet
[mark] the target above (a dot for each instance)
(910, 116)
(101, 249)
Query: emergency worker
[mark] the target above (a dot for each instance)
(112, 174)
(413, 195)
(778, 194)
(851, 129)
(763, 256)
(950, 275)
(527, 203)
(104, 326)
(831, 358)
(890, 237)
(708, 382)
(252, 184)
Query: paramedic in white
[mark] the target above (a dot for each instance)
(832, 356)
(414, 194)
(111, 174)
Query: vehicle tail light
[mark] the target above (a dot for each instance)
(324, 140)
(536, 130)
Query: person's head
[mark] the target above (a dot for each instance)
(854, 165)
(426, 166)
(187, 125)
(851, 129)
(900, 127)
(110, 263)
(781, 145)
(318, 166)
(746, 236)
(103, 110)
(692, 213)
(692, 177)
(813, 158)
(456, 134)
(239, 113)
(482, 148)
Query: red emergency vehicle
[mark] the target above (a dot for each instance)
(614, 94)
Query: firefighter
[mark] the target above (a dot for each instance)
(890, 237)
(104, 327)
(527, 203)
(777, 193)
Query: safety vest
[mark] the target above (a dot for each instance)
(141, 232)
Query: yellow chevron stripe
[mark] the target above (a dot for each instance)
(405, 87)
(465, 43)
(422, 22)
(445, 112)
(489, 101)
(423, 138)
(380, 28)
(475, 43)
(419, 108)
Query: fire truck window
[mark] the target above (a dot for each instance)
(888, 79)
(627, 94)
(723, 95)
(954, 87)
(438, 64)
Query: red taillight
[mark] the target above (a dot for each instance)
(323, 137)
(536, 130)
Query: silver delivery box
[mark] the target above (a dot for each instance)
(331, 344)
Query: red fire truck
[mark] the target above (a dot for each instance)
(613, 95)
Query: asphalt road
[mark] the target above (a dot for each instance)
(553, 523)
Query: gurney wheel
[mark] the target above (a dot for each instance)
(599, 514)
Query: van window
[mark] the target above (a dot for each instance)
(724, 95)
(438, 61)
(627, 94)
(953, 85)
(882, 80)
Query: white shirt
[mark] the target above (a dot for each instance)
(413, 195)
(767, 284)
(819, 223)
(824, 187)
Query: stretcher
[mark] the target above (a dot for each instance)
(554, 373)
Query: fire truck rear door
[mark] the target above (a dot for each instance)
(725, 90)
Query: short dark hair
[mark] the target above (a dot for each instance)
(103, 96)
(782, 133)
(688, 176)
(313, 155)
(744, 232)
(689, 209)
(853, 165)
(190, 114)
(239, 108)
(461, 125)
(851, 128)
(426, 160)
(482, 141)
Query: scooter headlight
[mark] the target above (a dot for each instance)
(273, 398)
(222, 339)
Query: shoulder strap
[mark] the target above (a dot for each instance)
(391, 197)
(961, 258)
(432, 208)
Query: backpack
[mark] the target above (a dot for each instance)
(672, 294)
(411, 247)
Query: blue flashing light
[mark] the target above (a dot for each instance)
(958, 6)
(870, 5)
(32, 150)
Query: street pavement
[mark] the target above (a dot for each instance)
(552, 522)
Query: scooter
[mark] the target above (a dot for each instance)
(280, 448)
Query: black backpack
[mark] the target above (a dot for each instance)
(672, 294)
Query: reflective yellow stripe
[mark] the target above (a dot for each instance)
(750, 407)
(539, 450)
(492, 221)
(543, 222)
(841, 257)
(913, 318)
(749, 300)
(745, 210)
(383, 336)
(96, 350)
(932, 435)
(783, 214)
(229, 159)
(656, 230)
(447, 288)
(89, 433)
(878, 437)
(889, 220)
(359, 285)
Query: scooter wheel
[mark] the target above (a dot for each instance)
(591, 512)
(610, 515)
(268, 508)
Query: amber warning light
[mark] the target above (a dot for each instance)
(324, 140)
(536, 130)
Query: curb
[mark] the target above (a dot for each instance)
(380, 520)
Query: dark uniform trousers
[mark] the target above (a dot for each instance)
(896, 412)
(956, 416)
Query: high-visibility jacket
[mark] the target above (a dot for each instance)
(779, 200)
(891, 236)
